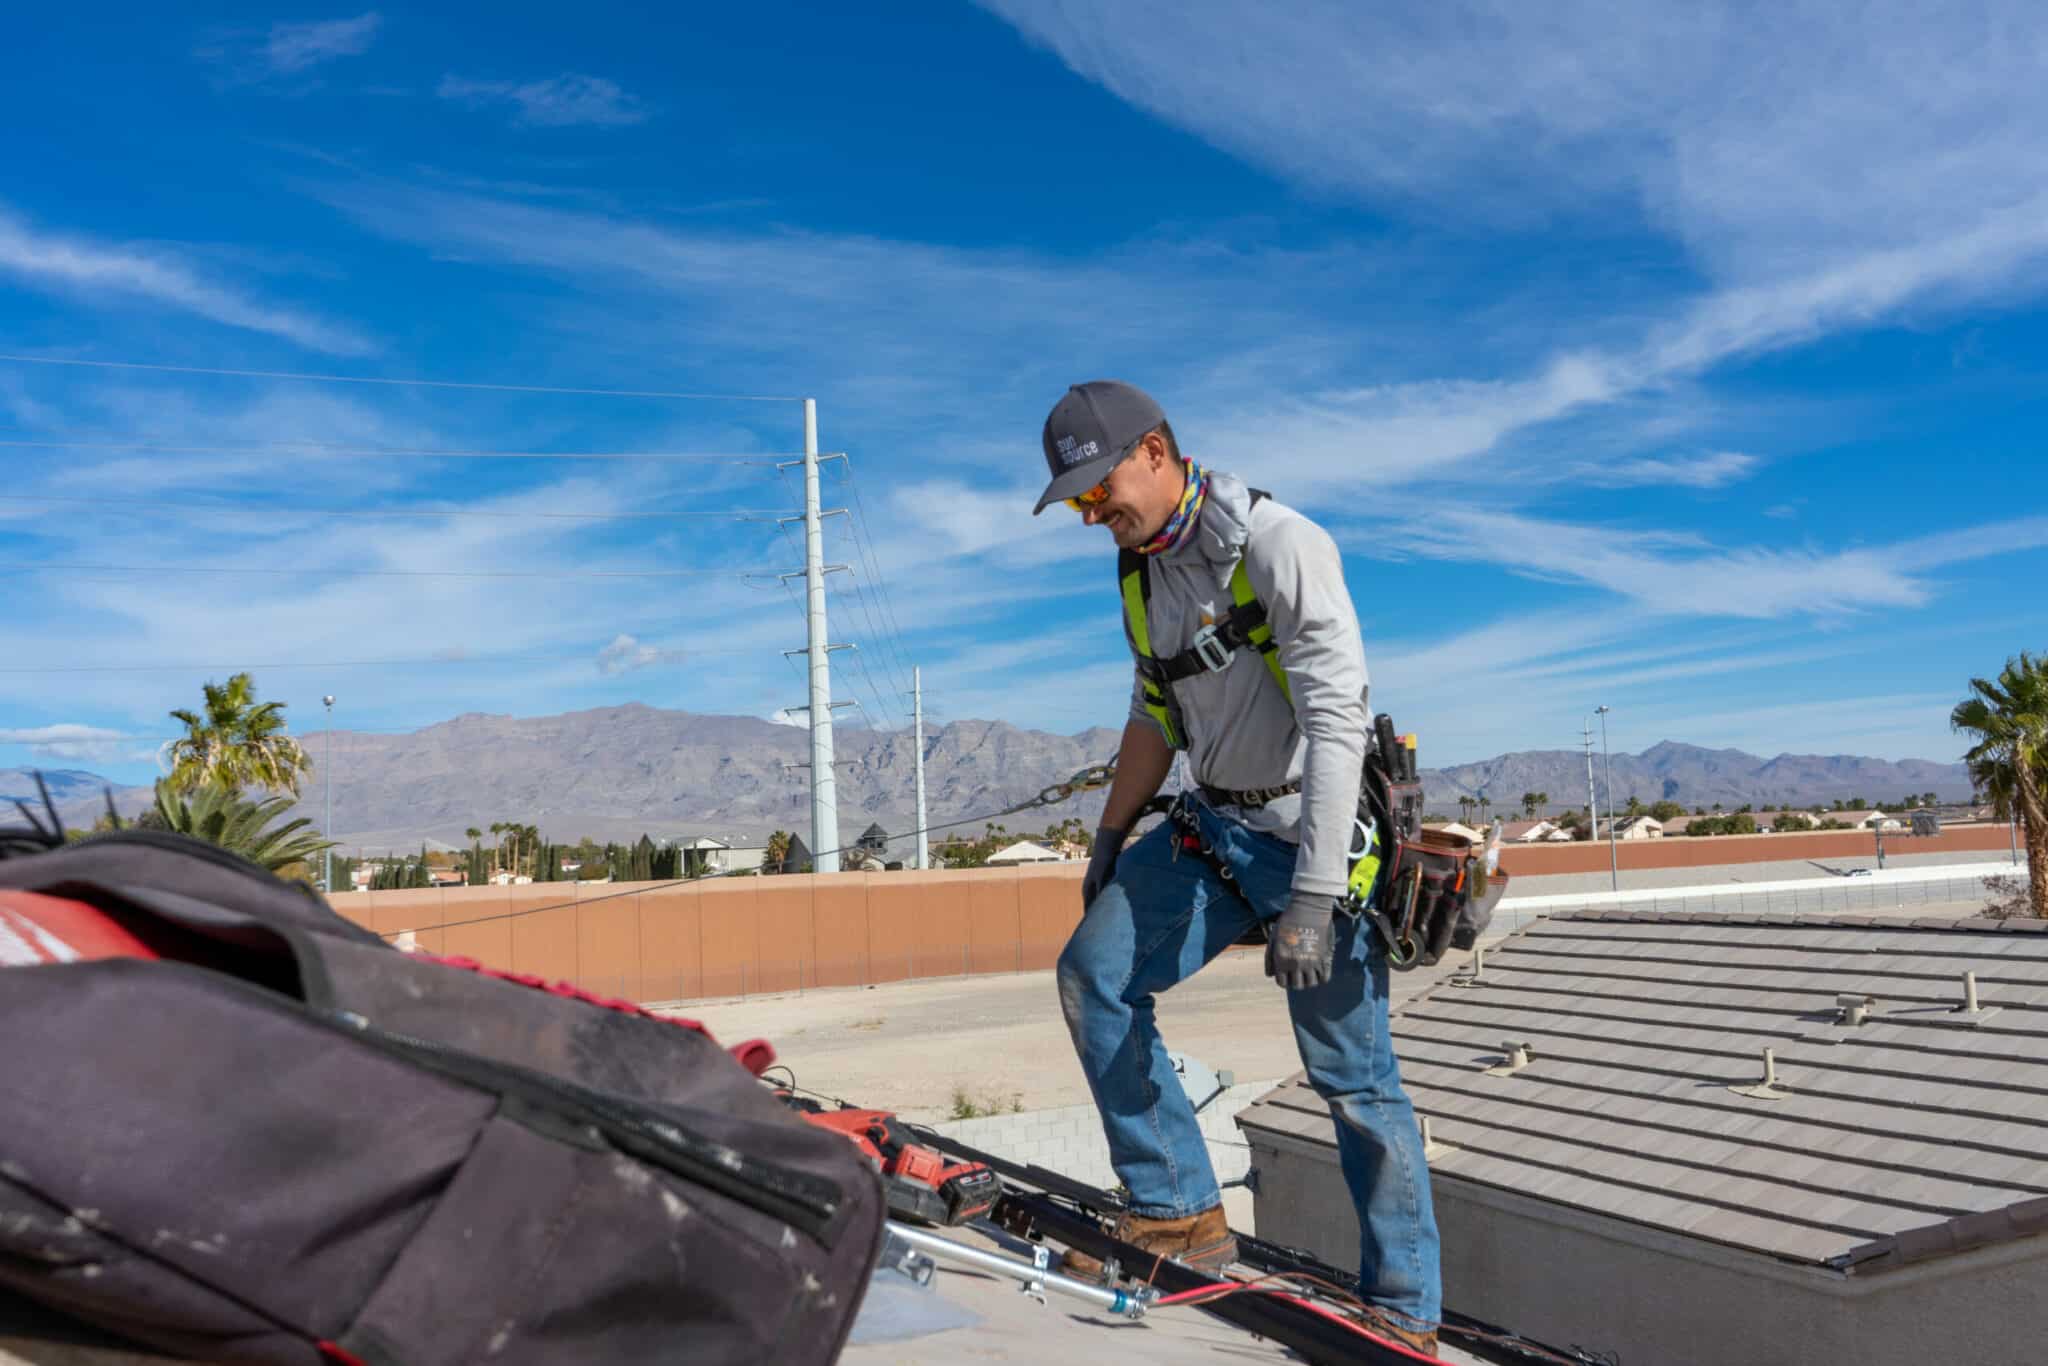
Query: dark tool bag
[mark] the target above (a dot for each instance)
(258, 1134)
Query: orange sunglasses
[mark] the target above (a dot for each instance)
(1089, 498)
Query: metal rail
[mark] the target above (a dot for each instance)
(1036, 1277)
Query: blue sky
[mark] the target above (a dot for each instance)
(1687, 362)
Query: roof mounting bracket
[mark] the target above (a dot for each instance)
(1970, 1012)
(1768, 1088)
(1514, 1057)
(1431, 1149)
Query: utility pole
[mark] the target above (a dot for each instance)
(824, 786)
(1592, 798)
(924, 853)
(327, 779)
(1607, 767)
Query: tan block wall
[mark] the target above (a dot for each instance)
(748, 935)
(1705, 851)
(744, 936)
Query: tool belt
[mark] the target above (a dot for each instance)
(1425, 891)
(1247, 798)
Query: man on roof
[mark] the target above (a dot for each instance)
(1249, 660)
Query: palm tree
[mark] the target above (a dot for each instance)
(1528, 806)
(220, 815)
(777, 851)
(2009, 762)
(237, 742)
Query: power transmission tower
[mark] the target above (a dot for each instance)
(824, 786)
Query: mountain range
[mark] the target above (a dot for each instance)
(616, 772)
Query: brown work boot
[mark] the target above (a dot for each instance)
(1202, 1241)
(1388, 1327)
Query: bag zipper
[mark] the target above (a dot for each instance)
(803, 1201)
(798, 1198)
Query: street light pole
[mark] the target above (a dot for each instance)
(1592, 796)
(1607, 768)
(327, 781)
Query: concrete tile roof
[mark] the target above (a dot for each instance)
(1921, 1131)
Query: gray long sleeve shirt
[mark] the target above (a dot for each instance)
(1241, 732)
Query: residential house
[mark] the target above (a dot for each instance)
(1706, 1139)
(1459, 828)
(1869, 820)
(1632, 828)
(723, 857)
(1534, 832)
(447, 877)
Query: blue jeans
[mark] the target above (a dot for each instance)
(1156, 924)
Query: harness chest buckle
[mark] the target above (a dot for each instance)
(1209, 648)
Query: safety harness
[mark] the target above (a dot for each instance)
(1423, 892)
(1212, 649)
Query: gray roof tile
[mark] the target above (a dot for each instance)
(1910, 1134)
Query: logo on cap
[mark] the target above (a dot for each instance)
(1073, 453)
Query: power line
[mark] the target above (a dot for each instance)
(863, 530)
(680, 656)
(373, 379)
(798, 553)
(879, 632)
(241, 509)
(296, 448)
(377, 573)
(860, 656)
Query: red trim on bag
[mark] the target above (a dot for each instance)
(338, 1354)
(35, 928)
(567, 989)
(756, 1055)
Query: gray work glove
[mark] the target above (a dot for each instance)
(1101, 864)
(1299, 946)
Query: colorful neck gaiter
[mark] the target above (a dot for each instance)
(1182, 524)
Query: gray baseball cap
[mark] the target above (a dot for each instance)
(1089, 431)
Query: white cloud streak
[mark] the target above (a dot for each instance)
(72, 740)
(570, 100)
(292, 48)
(112, 274)
(1709, 471)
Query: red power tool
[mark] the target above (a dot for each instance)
(924, 1186)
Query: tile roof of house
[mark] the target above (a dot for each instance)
(1917, 1133)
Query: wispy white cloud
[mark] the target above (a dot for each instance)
(625, 654)
(283, 54)
(292, 48)
(1825, 169)
(1708, 471)
(1681, 574)
(1753, 133)
(566, 101)
(106, 273)
(72, 740)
